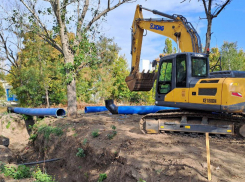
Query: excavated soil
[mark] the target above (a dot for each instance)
(131, 155)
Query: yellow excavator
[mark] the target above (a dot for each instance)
(209, 102)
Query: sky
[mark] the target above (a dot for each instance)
(228, 26)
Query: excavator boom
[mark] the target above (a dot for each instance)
(175, 27)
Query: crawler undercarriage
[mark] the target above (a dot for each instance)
(193, 122)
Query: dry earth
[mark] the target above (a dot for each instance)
(130, 155)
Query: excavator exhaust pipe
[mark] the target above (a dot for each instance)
(141, 81)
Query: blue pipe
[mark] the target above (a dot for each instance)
(134, 109)
(142, 109)
(89, 109)
(56, 112)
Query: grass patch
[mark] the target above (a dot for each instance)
(8, 124)
(47, 130)
(26, 117)
(114, 132)
(102, 177)
(95, 133)
(80, 153)
(33, 137)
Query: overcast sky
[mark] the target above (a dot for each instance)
(228, 26)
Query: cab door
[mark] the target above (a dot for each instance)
(180, 91)
(165, 85)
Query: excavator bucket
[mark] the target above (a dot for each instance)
(141, 81)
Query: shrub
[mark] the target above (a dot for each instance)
(114, 132)
(47, 130)
(102, 177)
(95, 133)
(80, 153)
(42, 177)
(17, 173)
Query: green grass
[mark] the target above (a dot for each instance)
(80, 153)
(47, 130)
(95, 133)
(114, 132)
(102, 177)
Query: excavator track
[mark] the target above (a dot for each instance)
(193, 122)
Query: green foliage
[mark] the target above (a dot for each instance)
(168, 49)
(113, 127)
(108, 79)
(38, 73)
(8, 124)
(19, 173)
(26, 117)
(47, 130)
(42, 177)
(22, 172)
(232, 58)
(102, 177)
(80, 153)
(2, 91)
(95, 133)
(214, 58)
(85, 141)
(33, 137)
(141, 180)
(114, 132)
(1, 166)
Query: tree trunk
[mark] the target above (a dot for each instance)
(71, 91)
(47, 98)
(208, 34)
(69, 58)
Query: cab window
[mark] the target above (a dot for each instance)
(165, 76)
(199, 67)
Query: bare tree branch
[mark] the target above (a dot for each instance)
(8, 54)
(222, 7)
(51, 42)
(36, 17)
(205, 7)
(95, 18)
(7, 71)
(81, 18)
(46, 37)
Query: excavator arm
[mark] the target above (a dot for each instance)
(175, 27)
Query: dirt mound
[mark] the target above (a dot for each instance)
(13, 126)
(130, 155)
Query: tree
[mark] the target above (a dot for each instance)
(39, 74)
(168, 49)
(63, 18)
(210, 15)
(231, 57)
(214, 59)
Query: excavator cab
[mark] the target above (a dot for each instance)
(181, 70)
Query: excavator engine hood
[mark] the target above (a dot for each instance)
(141, 81)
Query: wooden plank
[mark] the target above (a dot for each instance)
(208, 156)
